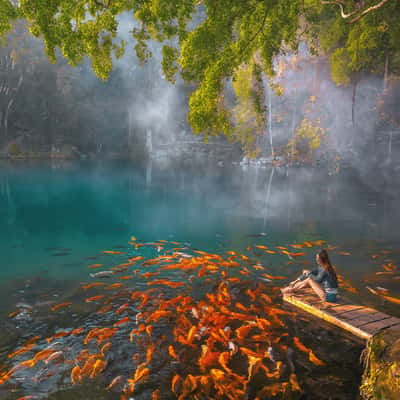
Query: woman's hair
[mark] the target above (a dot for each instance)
(326, 263)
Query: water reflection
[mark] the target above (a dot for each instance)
(88, 207)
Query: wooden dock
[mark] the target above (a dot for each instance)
(363, 322)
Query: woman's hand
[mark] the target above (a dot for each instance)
(306, 271)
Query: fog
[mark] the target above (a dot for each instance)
(138, 114)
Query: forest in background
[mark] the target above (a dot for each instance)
(331, 90)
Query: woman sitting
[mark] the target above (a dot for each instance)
(322, 280)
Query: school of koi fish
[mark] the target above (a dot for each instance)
(212, 323)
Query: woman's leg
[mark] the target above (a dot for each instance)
(314, 285)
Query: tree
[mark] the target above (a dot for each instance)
(358, 48)
(206, 42)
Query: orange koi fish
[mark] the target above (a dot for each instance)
(142, 372)
(270, 251)
(171, 352)
(297, 246)
(113, 286)
(95, 265)
(21, 351)
(259, 246)
(392, 299)
(243, 331)
(274, 277)
(300, 345)
(294, 383)
(77, 331)
(314, 359)
(105, 347)
(126, 277)
(94, 298)
(138, 258)
(98, 368)
(296, 254)
(122, 308)
(13, 314)
(24, 364)
(122, 321)
(89, 364)
(157, 315)
(104, 309)
(104, 333)
(389, 267)
(91, 285)
(149, 274)
(174, 383)
(58, 335)
(149, 352)
(62, 305)
(53, 356)
(166, 282)
(344, 253)
(42, 355)
(32, 340)
(113, 252)
(114, 382)
(149, 330)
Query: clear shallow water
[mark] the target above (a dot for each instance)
(55, 221)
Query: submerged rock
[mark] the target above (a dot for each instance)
(381, 378)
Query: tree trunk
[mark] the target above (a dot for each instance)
(294, 121)
(270, 120)
(386, 74)
(10, 103)
(353, 102)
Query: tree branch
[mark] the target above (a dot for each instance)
(340, 4)
(369, 9)
(357, 10)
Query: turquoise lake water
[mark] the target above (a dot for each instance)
(57, 219)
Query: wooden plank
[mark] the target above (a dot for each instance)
(344, 309)
(378, 326)
(367, 318)
(362, 321)
(365, 311)
(327, 317)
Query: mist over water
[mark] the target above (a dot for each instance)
(63, 220)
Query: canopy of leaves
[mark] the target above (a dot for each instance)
(307, 139)
(249, 112)
(208, 42)
(355, 48)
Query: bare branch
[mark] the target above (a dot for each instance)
(340, 4)
(369, 9)
(357, 10)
